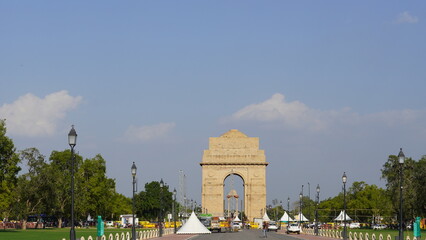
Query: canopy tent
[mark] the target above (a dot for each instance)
(266, 218)
(286, 218)
(341, 217)
(193, 226)
(236, 219)
(300, 218)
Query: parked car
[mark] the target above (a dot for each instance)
(293, 228)
(355, 225)
(272, 226)
(379, 226)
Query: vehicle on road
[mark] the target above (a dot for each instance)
(379, 227)
(355, 225)
(293, 228)
(272, 226)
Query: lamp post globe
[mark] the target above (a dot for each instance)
(72, 141)
(344, 179)
(401, 160)
(133, 171)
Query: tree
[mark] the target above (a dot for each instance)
(30, 195)
(95, 190)
(59, 175)
(120, 205)
(420, 187)
(9, 170)
(390, 172)
(148, 202)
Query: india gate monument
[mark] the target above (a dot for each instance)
(234, 153)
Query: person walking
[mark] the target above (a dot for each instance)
(265, 229)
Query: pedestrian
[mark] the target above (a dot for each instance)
(265, 228)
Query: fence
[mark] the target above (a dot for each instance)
(127, 236)
(338, 234)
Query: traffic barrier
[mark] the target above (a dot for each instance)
(338, 234)
(140, 235)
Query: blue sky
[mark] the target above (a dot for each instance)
(328, 86)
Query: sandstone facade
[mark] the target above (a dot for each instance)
(234, 153)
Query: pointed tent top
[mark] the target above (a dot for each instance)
(286, 218)
(301, 217)
(341, 217)
(266, 218)
(237, 219)
(234, 133)
(193, 226)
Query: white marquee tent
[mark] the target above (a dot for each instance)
(300, 217)
(266, 218)
(193, 226)
(286, 218)
(341, 217)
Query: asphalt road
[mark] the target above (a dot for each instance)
(244, 235)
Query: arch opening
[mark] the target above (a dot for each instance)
(233, 196)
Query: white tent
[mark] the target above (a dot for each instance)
(300, 217)
(193, 226)
(266, 218)
(237, 219)
(341, 217)
(286, 218)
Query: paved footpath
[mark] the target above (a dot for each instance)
(244, 235)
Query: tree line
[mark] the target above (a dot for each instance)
(45, 188)
(370, 203)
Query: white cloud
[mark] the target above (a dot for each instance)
(148, 133)
(406, 17)
(291, 114)
(295, 115)
(32, 116)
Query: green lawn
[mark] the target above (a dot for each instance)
(53, 234)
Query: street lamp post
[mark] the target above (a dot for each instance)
(72, 141)
(309, 202)
(161, 207)
(288, 213)
(344, 179)
(316, 211)
(133, 170)
(300, 208)
(401, 158)
(174, 217)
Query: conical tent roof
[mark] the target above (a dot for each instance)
(236, 219)
(193, 226)
(301, 217)
(341, 217)
(286, 218)
(266, 218)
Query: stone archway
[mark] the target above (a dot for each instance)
(234, 153)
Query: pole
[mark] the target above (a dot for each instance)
(288, 213)
(316, 213)
(72, 231)
(401, 230)
(133, 210)
(174, 216)
(344, 207)
(161, 209)
(309, 202)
